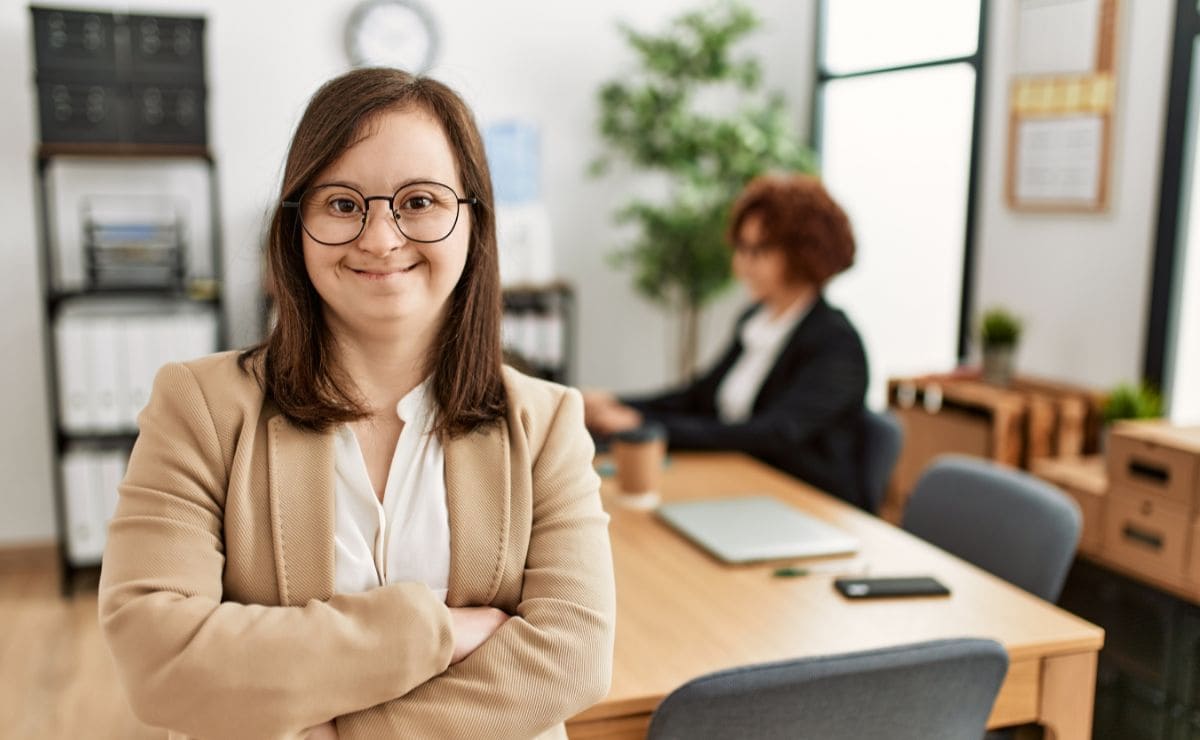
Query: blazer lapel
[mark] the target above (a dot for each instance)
(478, 483)
(794, 351)
(301, 480)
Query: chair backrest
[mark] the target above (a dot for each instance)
(940, 689)
(882, 439)
(1007, 522)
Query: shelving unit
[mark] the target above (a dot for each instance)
(131, 278)
(122, 307)
(539, 329)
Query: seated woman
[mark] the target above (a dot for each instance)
(789, 388)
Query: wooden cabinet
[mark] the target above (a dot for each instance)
(1155, 460)
(1147, 536)
(960, 413)
(1141, 582)
(1141, 506)
(1085, 480)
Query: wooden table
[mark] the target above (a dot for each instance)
(681, 613)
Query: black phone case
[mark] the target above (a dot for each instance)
(879, 588)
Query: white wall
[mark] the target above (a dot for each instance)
(540, 61)
(26, 509)
(1081, 281)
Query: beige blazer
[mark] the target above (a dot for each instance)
(216, 595)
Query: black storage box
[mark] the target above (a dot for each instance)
(80, 112)
(166, 50)
(75, 44)
(120, 79)
(168, 115)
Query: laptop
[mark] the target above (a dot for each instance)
(745, 529)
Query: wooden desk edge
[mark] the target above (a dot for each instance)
(1036, 689)
(624, 708)
(606, 710)
(1090, 644)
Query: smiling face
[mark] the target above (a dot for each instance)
(382, 279)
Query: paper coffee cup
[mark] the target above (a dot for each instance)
(638, 456)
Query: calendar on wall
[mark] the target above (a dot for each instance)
(1062, 98)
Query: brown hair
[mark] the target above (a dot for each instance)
(297, 368)
(798, 216)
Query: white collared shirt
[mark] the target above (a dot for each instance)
(762, 339)
(407, 536)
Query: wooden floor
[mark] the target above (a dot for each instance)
(56, 677)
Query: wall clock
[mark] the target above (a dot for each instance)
(392, 33)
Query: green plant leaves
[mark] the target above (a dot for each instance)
(999, 326)
(1128, 401)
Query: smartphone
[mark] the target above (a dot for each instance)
(878, 588)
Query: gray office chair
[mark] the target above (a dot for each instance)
(882, 439)
(940, 689)
(1009, 523)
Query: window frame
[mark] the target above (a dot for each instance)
(1167, 250)
(977, 63)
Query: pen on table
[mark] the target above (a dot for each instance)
(853, 566)
(790, 572)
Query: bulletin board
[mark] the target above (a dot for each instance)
(1061, 104)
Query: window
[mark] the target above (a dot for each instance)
(1172, 359)
(897, 129)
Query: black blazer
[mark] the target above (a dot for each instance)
(807, 416)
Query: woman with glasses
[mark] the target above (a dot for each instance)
(365, 527)
(789, 387)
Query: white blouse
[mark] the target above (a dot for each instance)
(407, 536)
(762, 339)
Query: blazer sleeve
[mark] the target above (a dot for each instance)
(818, 393)
(699, 396)
(215, 669)
(553, 658)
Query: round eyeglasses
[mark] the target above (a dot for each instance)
(424, 212)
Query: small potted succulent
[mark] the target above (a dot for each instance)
(999, 333)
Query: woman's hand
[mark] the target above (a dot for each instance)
(595, 403)
(472, 626)
(327, 731)
(604, 414)
(616, 418)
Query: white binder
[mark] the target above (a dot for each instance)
(139, 376)
(107, 371)
(84, 516)
(73, 344)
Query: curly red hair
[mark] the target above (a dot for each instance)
(798, 216)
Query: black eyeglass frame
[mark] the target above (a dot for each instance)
(389, 199)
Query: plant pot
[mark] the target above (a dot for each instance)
(998, 363)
